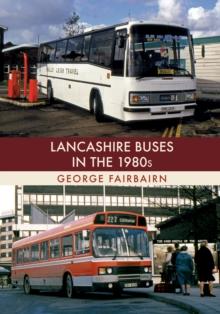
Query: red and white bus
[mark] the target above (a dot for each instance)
(104, 251)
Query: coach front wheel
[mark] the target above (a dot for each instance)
(98, 108)
(50, 94)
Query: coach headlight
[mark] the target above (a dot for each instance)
(190, 96)
(139, 99)
(146, 269)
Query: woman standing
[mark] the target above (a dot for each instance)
(184, 269)
(205, 266)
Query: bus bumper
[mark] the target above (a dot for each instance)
(113, 282)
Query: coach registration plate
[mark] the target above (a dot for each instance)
(167, 109)
(130, 285)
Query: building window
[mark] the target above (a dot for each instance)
(60, 199)
(67, 245)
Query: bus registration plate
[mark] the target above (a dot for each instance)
(130, 285)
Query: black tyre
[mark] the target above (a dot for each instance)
(50, 98)
(98, 108)
(27, 286)
(69, 286)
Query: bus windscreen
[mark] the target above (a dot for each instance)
(120, 242)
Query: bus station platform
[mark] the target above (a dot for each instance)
(192, 303)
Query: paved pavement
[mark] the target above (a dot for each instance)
(193, 303)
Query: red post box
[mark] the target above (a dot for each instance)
(14, 90)
(33, 92)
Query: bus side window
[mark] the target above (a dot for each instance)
(119, 53)
(54, 248)
(44, 250)
(35, 252)
(26, 253)
(67, 245)
(82, 242)
(20, 256)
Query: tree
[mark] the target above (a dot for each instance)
(72, 25)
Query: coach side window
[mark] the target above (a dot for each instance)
(43, 54)
(119, 53)
(51, 51)
(86, 46)
(101, 48)
(35, 252)
(44, 250)
(67, 245)
(54, 248)
(82, 242)
(60, 51)
(74, 49)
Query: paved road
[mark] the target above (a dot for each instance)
(65, 120)
(15, 302)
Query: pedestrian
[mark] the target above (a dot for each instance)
(167, 266)
(174, 254)
(176, 284)
(205, 268)
(184, 269)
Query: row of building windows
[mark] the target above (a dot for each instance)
(6, 246)
(6, 229)
(5, 254)
(55, 248)
(97, 200)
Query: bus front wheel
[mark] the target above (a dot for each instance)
(27, 286)
(98, 108)
(69, 286)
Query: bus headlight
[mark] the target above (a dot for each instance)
(139, 99)
(109, 270)
(191, 96)
(146, 269)
(102, 270)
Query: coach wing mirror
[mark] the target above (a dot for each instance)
(121, 41)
